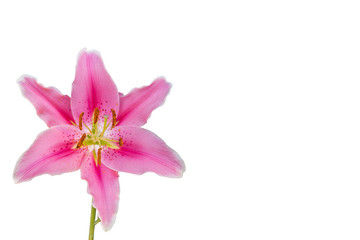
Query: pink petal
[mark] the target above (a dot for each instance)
(51, 153)
(51, 106)
(103, 185)
(136, 106)
(92, 88)
(142, 151)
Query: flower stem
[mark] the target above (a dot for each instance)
(92, 223)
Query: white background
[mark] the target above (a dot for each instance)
(264, 110)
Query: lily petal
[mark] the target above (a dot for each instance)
(51, 106)
(92, 88)
(103, 185)
(142, 151)
(136, 106)
(52, 153)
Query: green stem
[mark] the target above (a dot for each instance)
(92, 223)
(97, 221)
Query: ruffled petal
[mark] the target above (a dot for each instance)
(136, 106)
(51, 153)
(142, 151)
(103, 185)
(51, 106)
(92, 88)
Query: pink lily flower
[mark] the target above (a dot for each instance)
(97, 130)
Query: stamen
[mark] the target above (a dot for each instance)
(105, 126)
(113, 118)
(80, 120)
(99, 157)
(95, 157)
(121, 142)
(87, 127)
(81, 141)
(96, 115)
(73, 123)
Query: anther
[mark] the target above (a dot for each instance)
(99, 157)
(121, 142)
(96, 115)
(80, 120)
(81, 141)
(113, 118)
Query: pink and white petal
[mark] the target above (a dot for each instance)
(92, 88)
(103, 185)
(136, 106)
(142, 151)
(51, 153)
(51, 106)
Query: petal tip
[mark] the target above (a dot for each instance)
(107, 220)
(16, 176)
(85, 52)
(162, 80)
(108, 226)
(25, 78)
(181, 168)
(16, 179)
(181, 171)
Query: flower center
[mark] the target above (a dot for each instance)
(95, 135)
